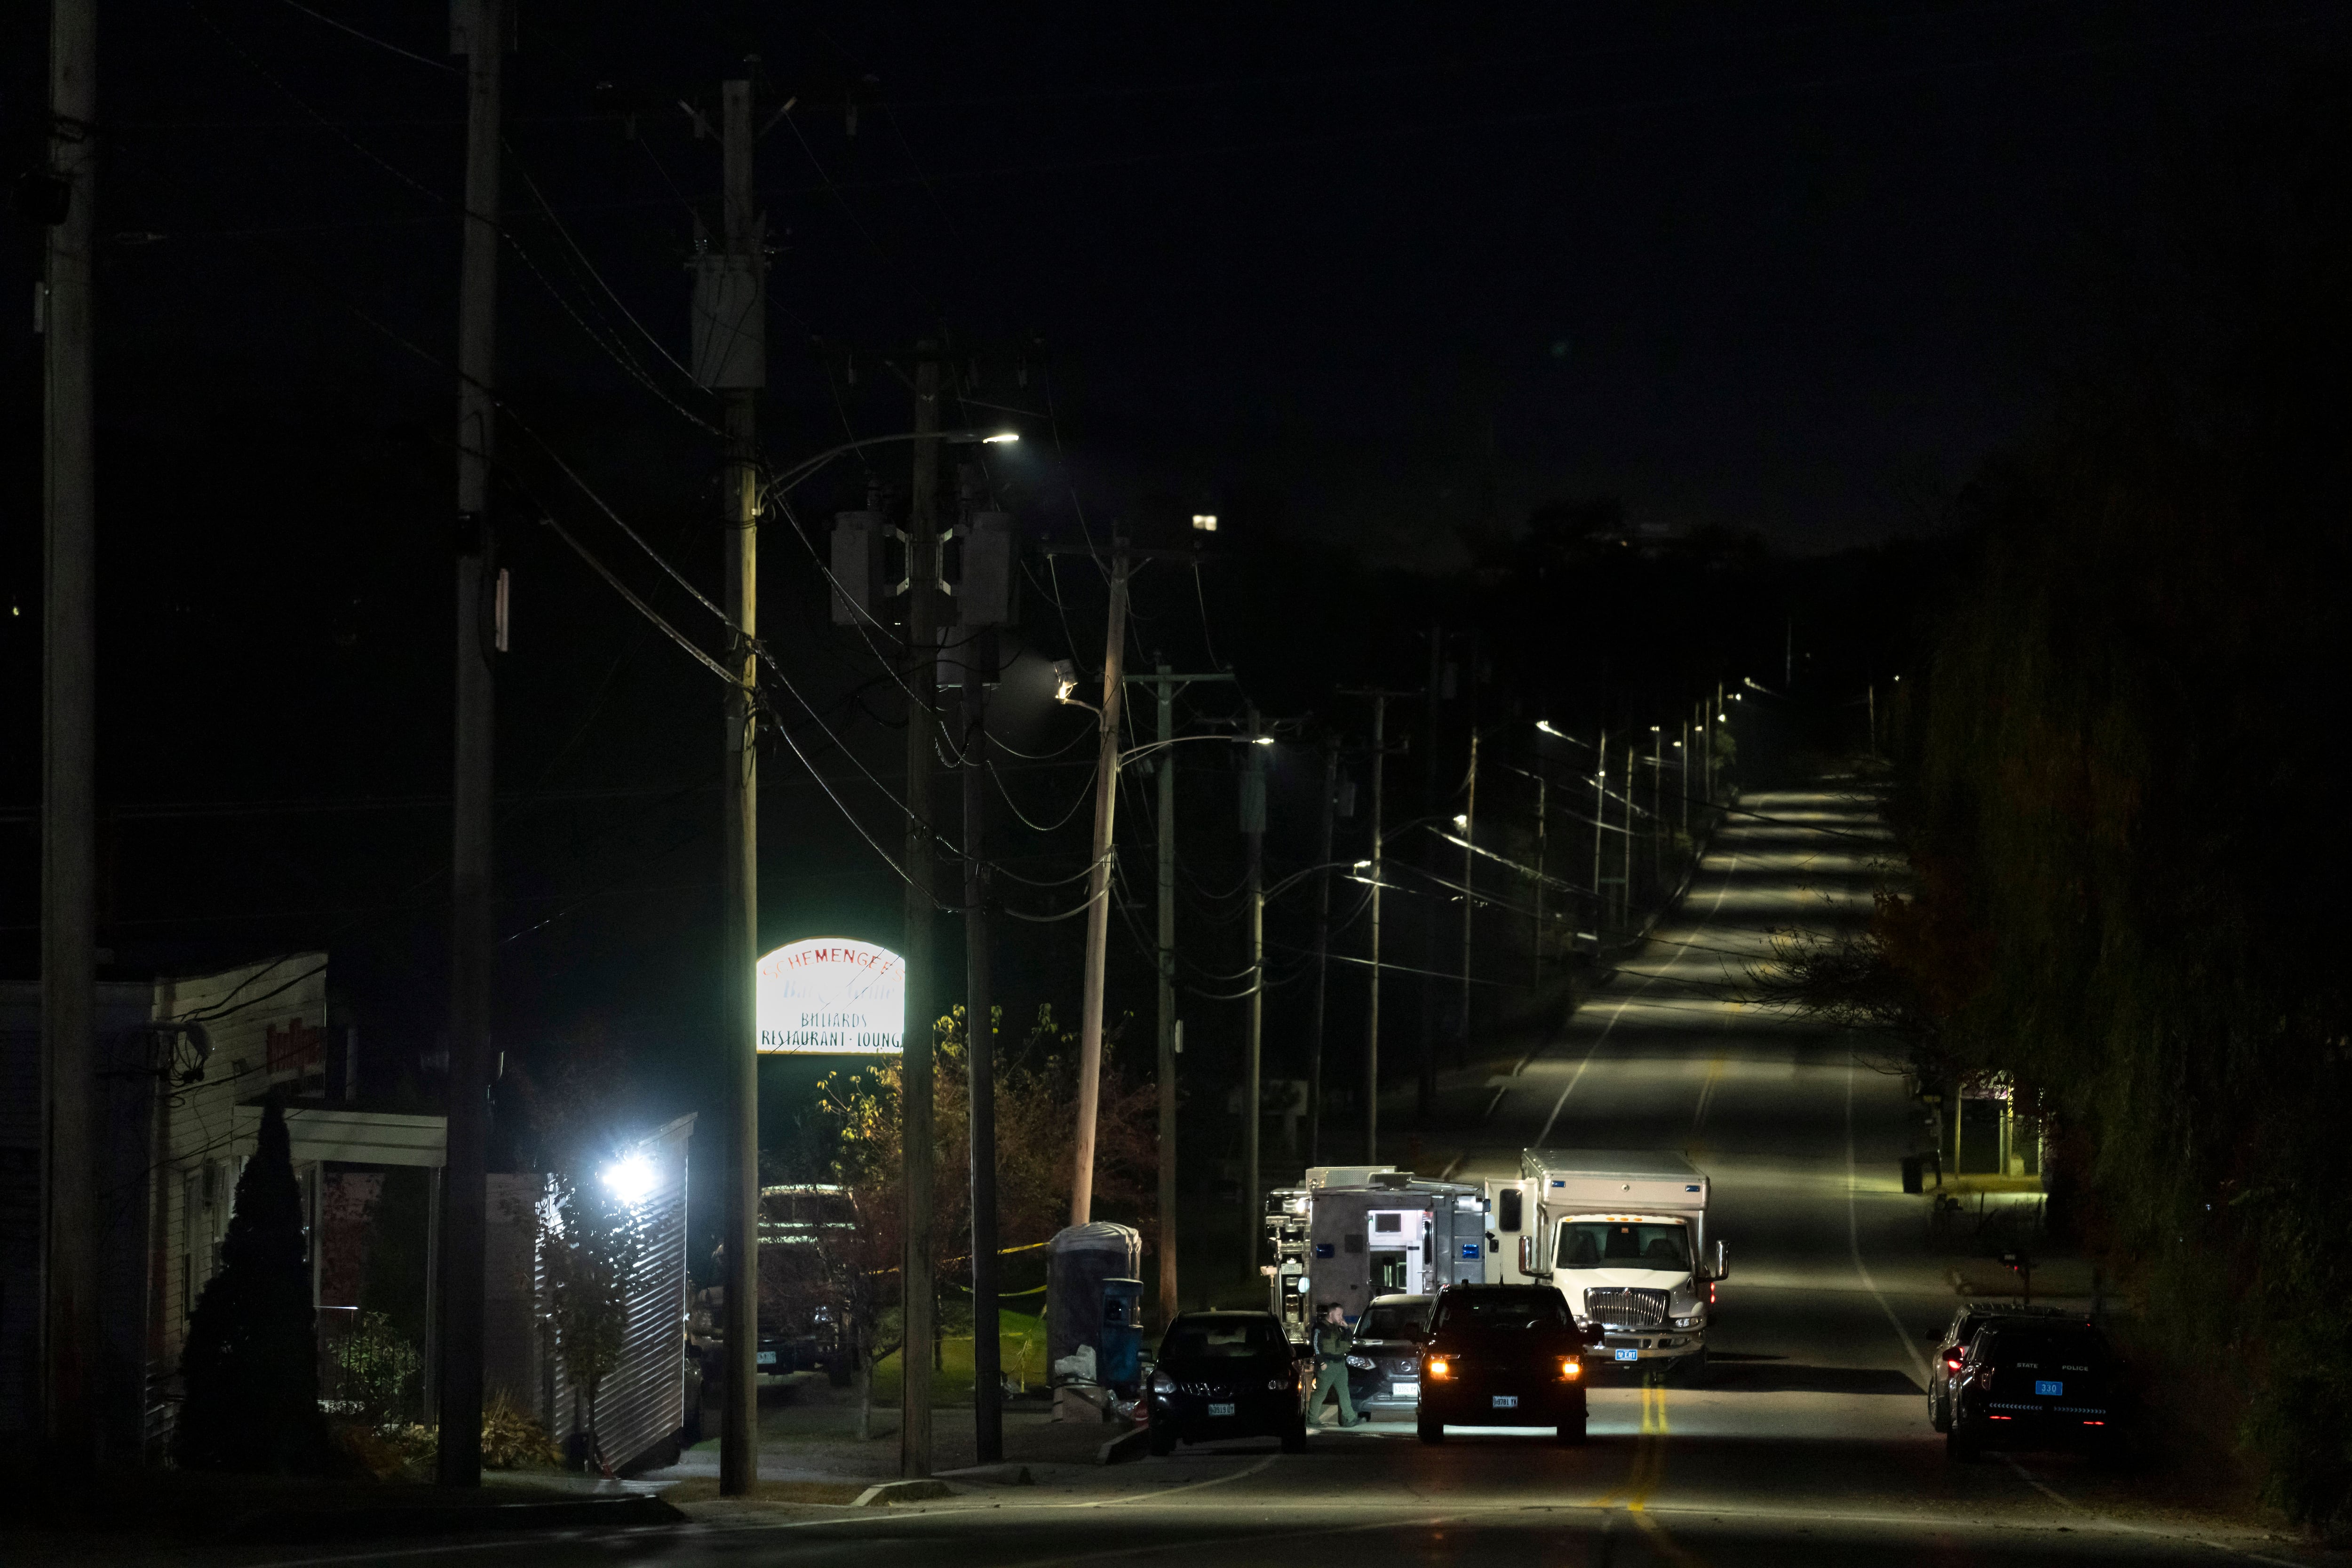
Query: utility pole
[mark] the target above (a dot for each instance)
(1685, 784)
(481, 38)
(69, 1230)
(1543, 795)
(1322, 950)
(918, 1307)
(1657, 804)
(1090, 1025)
(1373, 1011)
(1424, 1092)
(1167, 685)
(1254, 828)
(1469, 881)
(1599, 836)
(980, 1056)
(1169, 1299)
(733, 314)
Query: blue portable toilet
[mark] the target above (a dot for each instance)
(1122, 1332)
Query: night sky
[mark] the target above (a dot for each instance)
(1358, 280)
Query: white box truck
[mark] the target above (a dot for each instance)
(1623, 1236)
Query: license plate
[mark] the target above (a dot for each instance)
(1506, 1402)
(1629, 1355)
(767, 1358)
(1404, 1391)
(1225, 1408)
(2048, 1388)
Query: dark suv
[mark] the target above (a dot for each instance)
(2034, 1385)
(1953, 1348)
(1384, 1362)
(1225, 1375)
(1502, 1355)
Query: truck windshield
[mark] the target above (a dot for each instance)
(1622, 1243)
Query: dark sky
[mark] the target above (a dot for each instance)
(1357, 277)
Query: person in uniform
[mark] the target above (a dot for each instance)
(1332, 1341)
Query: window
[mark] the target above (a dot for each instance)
(1396, 1321)
(1510, 1209)
(1622, 1244)
(1220, 1338)
(1387, 1224)
(1510, 1307)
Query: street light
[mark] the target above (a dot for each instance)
(1204, 522)
(802, 470)
(632, 1178)
(1544, 727)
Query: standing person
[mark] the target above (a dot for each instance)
(1332, 1341)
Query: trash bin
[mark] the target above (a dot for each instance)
(1912, 1181)
(1120, 1363)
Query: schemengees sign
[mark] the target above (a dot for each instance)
(832, 996)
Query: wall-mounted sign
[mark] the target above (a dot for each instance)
(832, 996)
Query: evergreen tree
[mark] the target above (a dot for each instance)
(251, 1362)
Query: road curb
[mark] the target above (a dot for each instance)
(1124, 1448)
(394, 1520)
(903, 1492)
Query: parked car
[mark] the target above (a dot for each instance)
(1225, 1375)
(2028, 1385)
(1384, 1365)
(1502, 1355)
(1954, 1346)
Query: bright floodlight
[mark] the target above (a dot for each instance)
(1205, 522)
(1001, 438)
(1065, 680)
(1261, 740)
(632, 1178)
(1460, 821)
(1363, 865)
(1545, 725)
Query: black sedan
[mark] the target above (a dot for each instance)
(2029, 1386)
(1225, 1375)
(1502, 1355)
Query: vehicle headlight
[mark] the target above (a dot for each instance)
(1362, 1362)
(1275, 1384)
(1162, 1384)
(1690, 1322)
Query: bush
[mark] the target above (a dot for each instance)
(512, 1439)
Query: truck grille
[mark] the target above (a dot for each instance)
(1626, 1308)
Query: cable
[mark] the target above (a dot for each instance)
(1015, 807)
(371, 39)
(1201, 597)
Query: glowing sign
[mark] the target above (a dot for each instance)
(832, 996)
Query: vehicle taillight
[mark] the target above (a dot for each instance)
(1711, 1293)
(1440, 1368)
(1571, 1369)
(1951, 1363)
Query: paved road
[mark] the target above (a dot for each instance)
(1808, 1444)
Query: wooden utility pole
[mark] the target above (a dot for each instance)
(1322, 951)
(919, 1308)
(481, 38)
(70, 1231)
(1433, 808)
(1090, 1022)
(731, 320)
(980, 1056)
(1469, 883)
(1372, 1008)
(1254, 830)
(1170, 1301)
(1166, 685)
